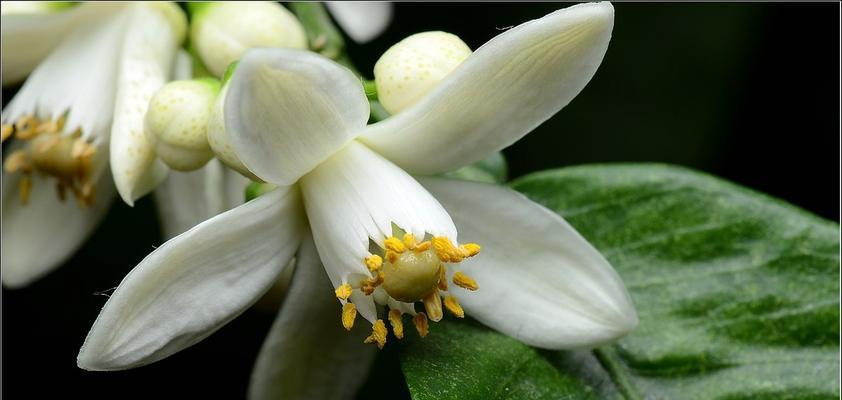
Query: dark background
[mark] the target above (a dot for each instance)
(748, 92)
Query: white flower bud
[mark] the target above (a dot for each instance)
(414, 66)
(177, 122)
(222, 32)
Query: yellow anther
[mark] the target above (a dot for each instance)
(368, 285)
(423, 246)
(409, 240)
(446, 251)
(373, 262)
(464, 281)
(343, 292)
(378, 334)
(26, 127)
(82, 149)
(470, 249)
(442, 277)
(54, 126)
(391, 256)
(397, 323)
(349, 314)
(85, 195)
(432, 304)
(394, 244)
(17, 161)
(452, 305)
(25, 188)
(7, 132)
(421, 325)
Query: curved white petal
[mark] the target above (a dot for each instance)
(185, 199)
(68, 82)
(195, 283)
(502, 91)
(362, 20)
(27, 39)
(146, 63)
(539, 280)
(288, 110)
(41, 235)
(307, 354)
(355, 196)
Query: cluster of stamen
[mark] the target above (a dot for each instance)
(66, 157)
(411, 271)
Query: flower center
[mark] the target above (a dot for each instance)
(67, 158)
(410, 271)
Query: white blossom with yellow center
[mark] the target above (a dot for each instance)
(387, 240)
(93, 69)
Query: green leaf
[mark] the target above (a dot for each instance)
(737, 294)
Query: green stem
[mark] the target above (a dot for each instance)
(610, 360)
(322, 34)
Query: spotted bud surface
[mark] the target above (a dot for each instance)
(177, 122)
(414, 66)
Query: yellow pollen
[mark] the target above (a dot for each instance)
(447, 252)
(18, 161)
(378, 334)
(6, 132)
(472, 249)
(423, 246)
(464, 281)
(409, 241)
(373, 262)
(368, 285)
(442, 277)
(397, 323)
(343, 292)
(349, 314)
(25, 188)
(26, 127)
(394, 244)
(421, 325)
(392, 256)
(432, 304)
(452, 305)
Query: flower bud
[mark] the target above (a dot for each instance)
(222, 32)
(414, 66)
(177, 122)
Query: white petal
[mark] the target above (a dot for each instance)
(288, 110)
(539, 280)
(361, 20)
(355, 196)
(27, 39)
(185, 199)
(41, 235)
(146, 63)
(195, 283)
(68, 82)
(307, 354)
(502, 91)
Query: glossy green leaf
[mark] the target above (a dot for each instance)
(737, 294)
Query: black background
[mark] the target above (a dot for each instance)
(749, 92)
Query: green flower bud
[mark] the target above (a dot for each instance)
(177, 122)
(222, 32)
(414, 66)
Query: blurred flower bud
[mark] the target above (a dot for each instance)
(222, 32)
(414, 66)
(177, 122)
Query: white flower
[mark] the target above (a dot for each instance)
(298, 120)
(361, 20)
(85, 99)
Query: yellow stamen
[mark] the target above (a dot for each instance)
(394, 244)
(452, 305)
(54, 126)
(409, 240)
(432, 304)
(373, 262)
(423, 246)
(368, 285)
(442, 277)
(349, 314)
(421, 325)
(17, 161)
(471, 249)
(464, 281)
(7, 132)
(25, 188)
(392, 256)
(343, 292)
(378, 334)
(397, 323)
(26, 127)
(445, 250)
